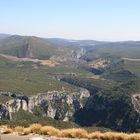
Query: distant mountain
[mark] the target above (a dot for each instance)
(2, 36)
(67, 42)
(29, 46)
(44, 48)
(86, 44)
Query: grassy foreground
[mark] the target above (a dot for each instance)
(70, 133)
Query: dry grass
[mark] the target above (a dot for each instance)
(35, 128)
(49, 130)
(19, 129)
(95, 135)
(74, 133)
(27, 131)
(71, 133)
(134, 136)
(7, 130)
(114, 136)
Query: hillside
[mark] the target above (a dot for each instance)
(83, 81)
(24, 46)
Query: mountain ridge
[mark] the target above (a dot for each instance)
(31, 65)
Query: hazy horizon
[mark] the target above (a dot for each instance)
(67, 38)
(80, 20)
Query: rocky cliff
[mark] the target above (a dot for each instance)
(57, 105)
(116, 109)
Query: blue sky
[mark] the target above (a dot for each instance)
(73, 19)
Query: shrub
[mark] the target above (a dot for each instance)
(95, 135)
(7, 130)
(71, 133)
(134, 136)
(114, 136)
(27, 131)
(49, 130)
(35, 128)
(19, 129)
(74, 133)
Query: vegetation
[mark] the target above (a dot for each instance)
(23, 78)
(4, 99)
(111, 108)
(23, 46)
(71, 133)
(111, 87)
(133, 66)
(24, 119)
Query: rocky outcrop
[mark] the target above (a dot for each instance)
(5, 112)
(25, 51)
(57, 105)
(136, 102)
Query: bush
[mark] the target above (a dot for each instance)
(95, 135)
(74, 133)
(49, 130)
(19, 129)
(36, 128)
(71, 133)
(7, 130)
(26, 131)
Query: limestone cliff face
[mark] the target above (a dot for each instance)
(5, 112)
(136, 102)
(57, 105)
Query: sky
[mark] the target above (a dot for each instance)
(72, 19)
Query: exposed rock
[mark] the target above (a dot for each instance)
(99, 63)
(9, 94)
(5, 112)
(24, 105)
(136, 102)
(58, 105)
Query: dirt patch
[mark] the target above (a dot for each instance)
(50, 63)
(99, 63)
